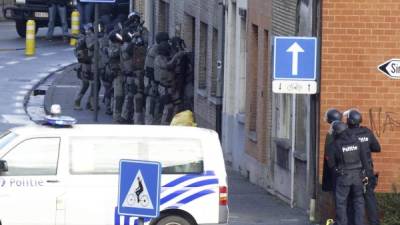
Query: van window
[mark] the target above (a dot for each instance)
(101, 155)
(32, 157)
(6, 138)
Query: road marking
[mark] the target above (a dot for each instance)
(18, 105)
(12, 62)
(34, 81)
(65, 64)
(48, 54)
(67, 86)
(53, 69)
(27, 87)
(19, 98)
(1, 67)
(41, 75)
(23, 92)
(15, 119)
(68, 49)
(30, 58)
(19, 111)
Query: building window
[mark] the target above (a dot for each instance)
(203, 56)
(253, 78)
(163, 16)
(242, 62)
(214, 72)
(188, 32)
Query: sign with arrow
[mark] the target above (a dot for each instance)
(391, 68)
(295, 65)
(295, 58)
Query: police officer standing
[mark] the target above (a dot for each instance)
(345, 158)
(104, 67)
(115, 41)
(150, 82)
(84, 71)
(369, 142)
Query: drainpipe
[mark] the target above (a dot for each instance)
(220, 76)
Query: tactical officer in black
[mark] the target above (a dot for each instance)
(345, 158)
(370, 144)
(328, 176)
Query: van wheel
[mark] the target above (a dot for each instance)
(173, 220)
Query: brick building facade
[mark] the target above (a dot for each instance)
(357, 36)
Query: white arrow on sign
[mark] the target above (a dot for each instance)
(295, 49)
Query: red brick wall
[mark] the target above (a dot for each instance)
(357, 36)
(258, 102)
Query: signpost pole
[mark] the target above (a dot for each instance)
(141, 221)
(95, 93)
(292, 163)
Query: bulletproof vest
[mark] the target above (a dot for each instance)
(90, 42)
(126, 58)
(103, 45)
(81, 51)
(350, 150)
(139, 55)
(161, 73)
(150, 57)
(113, 52)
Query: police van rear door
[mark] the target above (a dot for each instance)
(29, 190)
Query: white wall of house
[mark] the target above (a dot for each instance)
(233, 130)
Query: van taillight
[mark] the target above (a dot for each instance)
(223, 195)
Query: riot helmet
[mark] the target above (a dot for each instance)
(338, 127)
(161, 37)
(354, 118)
(163, 49)
(332, 115)
(88, 28)
(134, 17)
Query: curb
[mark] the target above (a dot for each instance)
(34, 104)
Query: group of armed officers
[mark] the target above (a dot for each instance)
(142, 84)
(349, 170)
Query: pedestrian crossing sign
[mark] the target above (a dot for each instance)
(139, 188)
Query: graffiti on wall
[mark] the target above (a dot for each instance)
(382, 122)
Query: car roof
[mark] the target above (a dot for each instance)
(115, 130)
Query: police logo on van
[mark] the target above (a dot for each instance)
(391, 68)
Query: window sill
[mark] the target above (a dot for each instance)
(202, 92)
(241, 118)
(252, 136)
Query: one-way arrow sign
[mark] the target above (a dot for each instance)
(295, 49)
(391, 68)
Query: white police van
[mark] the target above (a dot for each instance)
(69, 176)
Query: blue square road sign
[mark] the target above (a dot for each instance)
(139, 188)
(295, 58)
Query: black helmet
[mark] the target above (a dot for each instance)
(338, 127)
(88, 28)
(161, 36)
(333, 115)
(134, 17)
(354, 117)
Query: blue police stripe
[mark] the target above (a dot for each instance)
(172, 196)
(203, 183)
(195, 196)
(188, 177)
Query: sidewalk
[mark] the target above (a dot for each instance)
(248, 203)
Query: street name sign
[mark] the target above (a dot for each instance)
(139, 188)
(99, 1)
(391, 68)
(295, 61)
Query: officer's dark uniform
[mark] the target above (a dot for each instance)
(345, 157)
(370, 144)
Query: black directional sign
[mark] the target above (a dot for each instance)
(391, 68)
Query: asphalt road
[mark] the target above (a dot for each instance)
(19, 73)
